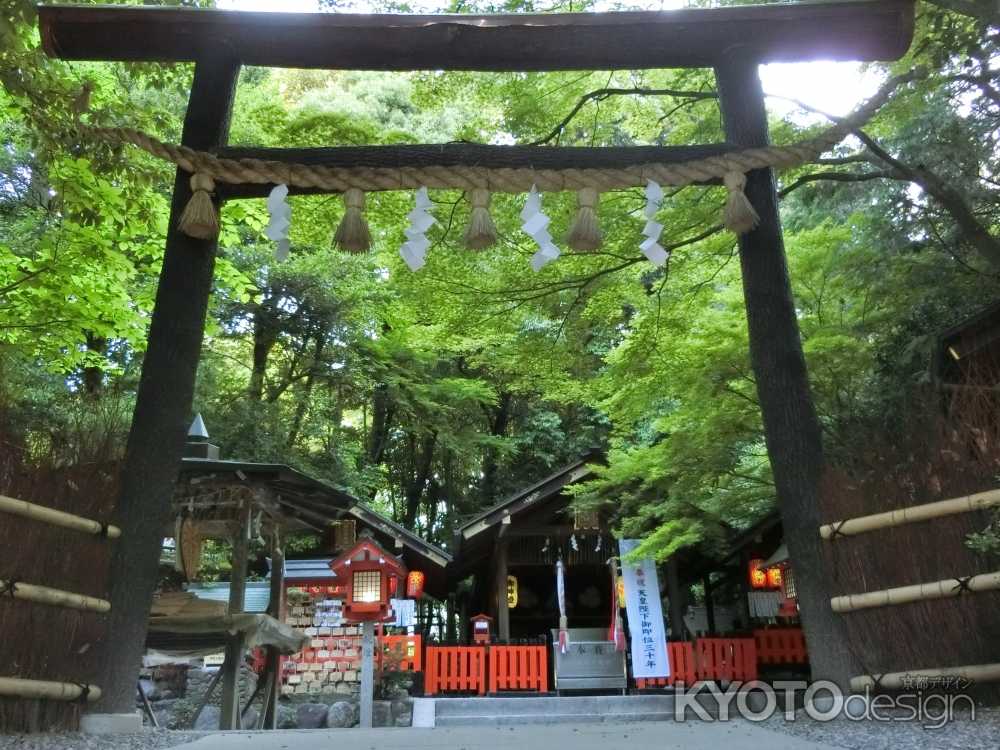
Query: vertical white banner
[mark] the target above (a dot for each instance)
(645, 615)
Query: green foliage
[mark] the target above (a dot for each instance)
(436, 393)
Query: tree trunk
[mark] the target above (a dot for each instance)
(791, 427)
(265, 336)
(491, 463)
(163, 403)
(93, 377)
(415, 491)
(303, 404)
(381, 420)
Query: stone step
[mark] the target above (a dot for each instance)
(552, 709)
(546, 719)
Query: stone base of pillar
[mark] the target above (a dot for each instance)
(111, 723)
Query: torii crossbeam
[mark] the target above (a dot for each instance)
(733, 41)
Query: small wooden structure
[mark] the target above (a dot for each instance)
(523, 536)
(243, 500)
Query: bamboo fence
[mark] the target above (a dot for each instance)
(913, 514)
(901, 680)
(17, 687)
(56, 517)
(56, 597)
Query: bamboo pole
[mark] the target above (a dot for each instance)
(898, 680)
(914, 513)
(55, 517)
(949, 587)
(56, 597)
(17, 687)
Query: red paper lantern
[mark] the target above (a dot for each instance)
(758, 577)
(774, 578)
(415, 584)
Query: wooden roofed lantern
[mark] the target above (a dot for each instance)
(371, 577)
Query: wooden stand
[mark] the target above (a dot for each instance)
(230, 715)
(367, 673)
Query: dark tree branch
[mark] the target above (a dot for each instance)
(833, 177)
(601, 94)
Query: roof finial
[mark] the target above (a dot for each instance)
(197, 431)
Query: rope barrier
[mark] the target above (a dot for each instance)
(207, 168)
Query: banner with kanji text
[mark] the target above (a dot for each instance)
(645, 615)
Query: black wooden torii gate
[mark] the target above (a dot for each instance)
(733, 41)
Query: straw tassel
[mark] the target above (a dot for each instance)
(200, 219)
(585, 234)
(353, 235)
(481, 232)
(739, 215)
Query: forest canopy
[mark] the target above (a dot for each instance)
(433, 394)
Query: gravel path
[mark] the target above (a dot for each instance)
(964, 733)
(151, 739)
(982, 733)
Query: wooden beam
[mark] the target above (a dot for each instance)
(163, 402)
(460, 154)
(503, 611)
(275, 608)
(791, 427)
(855, 30)
(231, 717)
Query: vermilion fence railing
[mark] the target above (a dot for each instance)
(455, 669)
(726, 659)
(402, 652)
(682, 667)
(720, 659)
(781, 646)
(518, 668)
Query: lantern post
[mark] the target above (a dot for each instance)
(370, 575)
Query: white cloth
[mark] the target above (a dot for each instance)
(405, 611)
(764, 603)
(645, 615)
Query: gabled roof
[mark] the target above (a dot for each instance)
(310, 569)
(258, 594)
(528, 497)
(315, 502)
(366, 549)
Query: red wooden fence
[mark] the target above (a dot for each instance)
(519, 668)
(726, 659)
(682, 667)
(781, 646)
(722, 659)
(455, 669)
(401, 652)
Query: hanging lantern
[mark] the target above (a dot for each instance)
(788, 584)
(511, 592)
(774, 578)
(367, 571)
(758, 576)
(620, 590)
(415, 584)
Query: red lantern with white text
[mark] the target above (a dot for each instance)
(415, 584)
(758, 577)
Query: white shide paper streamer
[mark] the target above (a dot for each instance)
(414, 250)
(280, 218)
(536, 225)
(651, 246)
